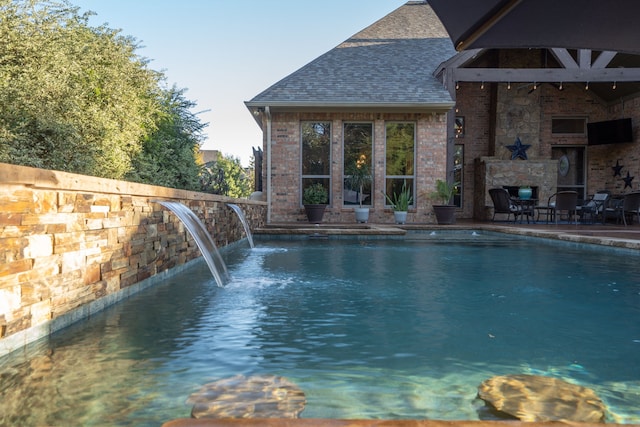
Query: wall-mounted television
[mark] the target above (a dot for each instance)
(610, 132)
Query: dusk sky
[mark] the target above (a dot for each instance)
(226, 52)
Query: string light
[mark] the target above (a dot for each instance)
(614, 86)
(509, 86)
(482, 85)
(535, 85)
(560, 88)
(457, 85)
(586, 87)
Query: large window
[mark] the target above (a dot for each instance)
(316, 155)
(400, 155)
(358, 143)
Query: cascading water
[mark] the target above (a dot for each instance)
(244, 222)
(203, 239)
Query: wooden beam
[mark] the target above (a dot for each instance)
(546, 75)
(564, 57)
(603, 59)
(584, 58)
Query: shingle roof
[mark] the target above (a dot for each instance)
(390, 63)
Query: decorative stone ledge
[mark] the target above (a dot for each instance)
(69, 243)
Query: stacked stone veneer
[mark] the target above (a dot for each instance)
(71, 244)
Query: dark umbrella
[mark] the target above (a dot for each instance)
(608, 25)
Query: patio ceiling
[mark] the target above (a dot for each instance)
(609, 25)
(592, 42)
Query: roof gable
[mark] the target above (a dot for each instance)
(390, 63)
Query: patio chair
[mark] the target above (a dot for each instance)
(502, 204)
(613, 210)
(631, 206)
(596, 206)
(566, 201)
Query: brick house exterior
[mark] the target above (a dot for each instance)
(404, 69)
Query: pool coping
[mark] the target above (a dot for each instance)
(609, 236)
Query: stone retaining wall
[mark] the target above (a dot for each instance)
(71, 244)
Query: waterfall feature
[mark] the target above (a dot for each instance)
(203, 239)
(244, 222)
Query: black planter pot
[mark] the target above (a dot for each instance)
(315, 213)
(445, 214)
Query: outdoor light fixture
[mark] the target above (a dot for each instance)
(535, 85)
(482, 85)
(457, 85)
(614, 86)
(586, 87)
(560, 88)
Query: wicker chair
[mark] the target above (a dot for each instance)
(566, 201)
(562, 201)
(502, 204)
(596, 206)
(631, 206)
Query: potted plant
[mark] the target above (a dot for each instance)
(314, 199)
(359, 176)
(400, 203)
(445, 211)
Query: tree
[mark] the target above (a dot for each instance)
(72, 97)
(168, 155)
(226, 176)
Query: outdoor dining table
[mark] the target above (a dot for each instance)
(526, 207)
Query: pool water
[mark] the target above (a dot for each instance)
(366, 328)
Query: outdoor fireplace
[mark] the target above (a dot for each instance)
(491, 172)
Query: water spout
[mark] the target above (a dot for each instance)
(244, 222)
(203, 239)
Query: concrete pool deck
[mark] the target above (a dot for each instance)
(610, 235)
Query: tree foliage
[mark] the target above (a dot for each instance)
(169, 154)
(226, 176)
(72, 97)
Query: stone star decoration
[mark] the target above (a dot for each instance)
(518, 149)
(617, 168)
(627, 181)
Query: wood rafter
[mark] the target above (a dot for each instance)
(546, 75)
(580, 70)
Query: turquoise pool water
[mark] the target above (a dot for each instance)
(367, 328)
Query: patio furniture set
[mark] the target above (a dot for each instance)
(565, 206)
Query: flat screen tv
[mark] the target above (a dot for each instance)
(610, 132)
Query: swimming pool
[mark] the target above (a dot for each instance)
(367, 328)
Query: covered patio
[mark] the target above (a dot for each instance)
(530, 79)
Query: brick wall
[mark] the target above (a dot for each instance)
(603, 157)
(72, 244)
(286, 161)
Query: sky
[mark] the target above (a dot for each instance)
(225, 52)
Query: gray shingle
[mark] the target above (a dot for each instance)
(390, 62)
